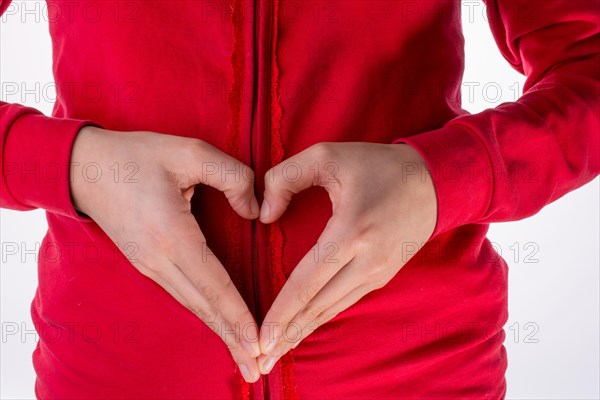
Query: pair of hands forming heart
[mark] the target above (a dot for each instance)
(382, 198)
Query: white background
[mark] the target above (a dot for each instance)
(553, 329)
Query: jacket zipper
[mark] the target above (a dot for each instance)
(254, 152)
(260, 153)
(263, 14)
(254, 249)
(256, 275)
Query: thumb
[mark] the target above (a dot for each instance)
(277, 196)
(286, 179)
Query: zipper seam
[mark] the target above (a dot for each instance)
(254, 164)
(268, 117)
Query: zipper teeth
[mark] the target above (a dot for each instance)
(254, 227)
(267, 79)
(254, 164)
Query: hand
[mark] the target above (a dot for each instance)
(155, 213)
(381, 199)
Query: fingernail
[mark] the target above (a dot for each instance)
(254, 209)
(251, 348)
(245, 373)
(268, 365)
(264, 210)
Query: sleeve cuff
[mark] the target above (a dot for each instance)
(461, 171)
(37, 156)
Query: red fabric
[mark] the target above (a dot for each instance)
(276, 235)
(266, 87)
(232, 225)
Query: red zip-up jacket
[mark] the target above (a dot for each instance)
(262, 80)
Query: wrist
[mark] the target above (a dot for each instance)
(84, 147)
(420, 187)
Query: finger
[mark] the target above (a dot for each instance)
(339, 293)
(248, 366)
(334, 290)
(315, 269)
(207, 274)
(341, 305)
(266, 362)
(176, 282)
(292, 176)
(210, 279)
(188, 193)
(235, 179)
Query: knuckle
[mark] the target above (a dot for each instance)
(194, 147)
(236, 201)
(306, 293)
(313, 311)
(322, 151)
(361, 245)
(246, 318)
(212, 295)
(234, 346)
(191, 149)
(208, 316)
(227, 286)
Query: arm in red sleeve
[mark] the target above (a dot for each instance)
(35, 153)
(507, 163)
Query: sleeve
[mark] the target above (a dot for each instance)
(508, 162)
(35, 154)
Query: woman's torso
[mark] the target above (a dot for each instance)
(353, 70)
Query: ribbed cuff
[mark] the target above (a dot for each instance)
(37, 155)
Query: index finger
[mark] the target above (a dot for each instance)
(313, 272)
(206, 273)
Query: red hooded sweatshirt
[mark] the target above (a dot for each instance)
(263, 80)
